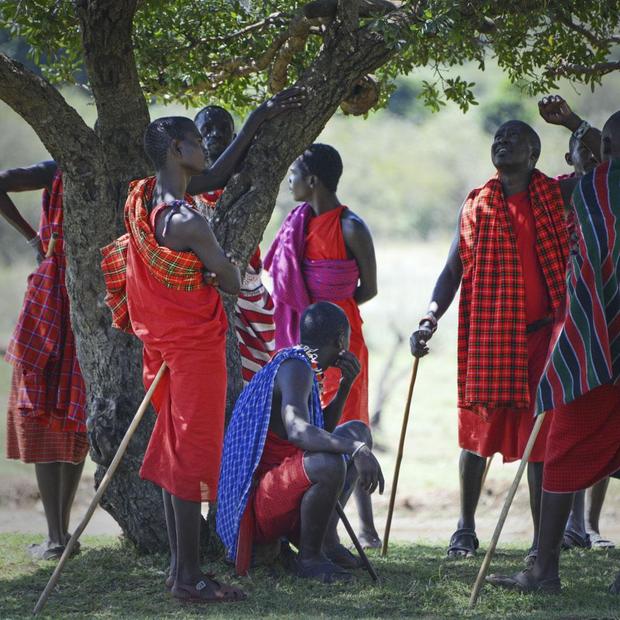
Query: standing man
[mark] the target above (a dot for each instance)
(287, 460)
(324, 252)
(46, 417)
(254, 310)
(582, 528)
(510, 253)
(157, 290)
(580, 382)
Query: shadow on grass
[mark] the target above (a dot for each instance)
(109, 580)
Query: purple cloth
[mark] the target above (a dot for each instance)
(331, 280)
(284, 263)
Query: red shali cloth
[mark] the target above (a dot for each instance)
(324, 241)
(254, 323)
(48, 383)
(492, 343)
(30, 441)
(187, 330)
(583, 446)
(178, 270)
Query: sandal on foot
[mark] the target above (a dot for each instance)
(530, 558)
(340, 555)
(458, 547)
(525, 583)
(38, 551)
(204, 592)
(574, 540)
(598, 542)
(325, 572)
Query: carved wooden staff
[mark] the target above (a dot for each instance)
(399, 458)
(51, 584)
(502, 517)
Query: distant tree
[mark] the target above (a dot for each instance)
(197, 51)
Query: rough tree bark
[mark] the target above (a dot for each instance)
(97, 166)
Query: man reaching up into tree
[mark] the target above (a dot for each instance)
(287, 461)
(510, 253)
(580, 382)
(254, 323)
(324, 252)
(46, 417)
(180, 319)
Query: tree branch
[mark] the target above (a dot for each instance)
(106, 28)
(584, 32)
(61, 129)
(572, 69)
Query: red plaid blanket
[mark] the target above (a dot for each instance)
(177, 270)
(42, 347)
(492, 345)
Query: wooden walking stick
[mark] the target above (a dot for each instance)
(399, 458)
(482, 573)
(347, 526)
(51, 584)
(486, 471)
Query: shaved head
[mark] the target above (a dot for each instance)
(610, 147)
(528, 131)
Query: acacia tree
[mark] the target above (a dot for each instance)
(235, 52)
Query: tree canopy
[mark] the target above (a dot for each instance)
(238, 51)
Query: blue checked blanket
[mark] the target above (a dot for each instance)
(244, 442)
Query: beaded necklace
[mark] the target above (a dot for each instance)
(312, 356)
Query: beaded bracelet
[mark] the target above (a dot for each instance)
(581, 131)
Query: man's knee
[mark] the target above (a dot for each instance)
(355, 430)
(324, 467)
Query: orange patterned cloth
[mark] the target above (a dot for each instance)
(176, 270)
(324, 241)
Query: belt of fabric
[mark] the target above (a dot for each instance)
(536, 325)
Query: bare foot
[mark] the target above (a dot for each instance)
(208, 590)
(370, 540)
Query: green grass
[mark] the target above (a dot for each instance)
(109, 580)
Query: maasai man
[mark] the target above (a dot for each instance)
(254, 310)
(287, 461)
(180, 319)
(582, 528)
(46, 418)
(510, 251)
(324, 252)
(580, 382)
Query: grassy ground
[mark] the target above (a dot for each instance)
(110, 581)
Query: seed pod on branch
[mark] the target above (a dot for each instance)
(363, 95)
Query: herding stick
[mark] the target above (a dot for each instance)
(482, 573)
(399, 458)
(356, 542)
(51, 584)
(486, 472)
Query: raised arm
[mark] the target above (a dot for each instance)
(218, 174)
(350, 368)
(294, 380)
(35, 177)
(188, 231)
(444, 292)
(358, 240)
(555, 111)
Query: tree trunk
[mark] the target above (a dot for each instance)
(97, 167)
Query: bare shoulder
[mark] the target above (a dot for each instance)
(353, 226)
(185, 219)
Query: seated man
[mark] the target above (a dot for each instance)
(286, 463)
